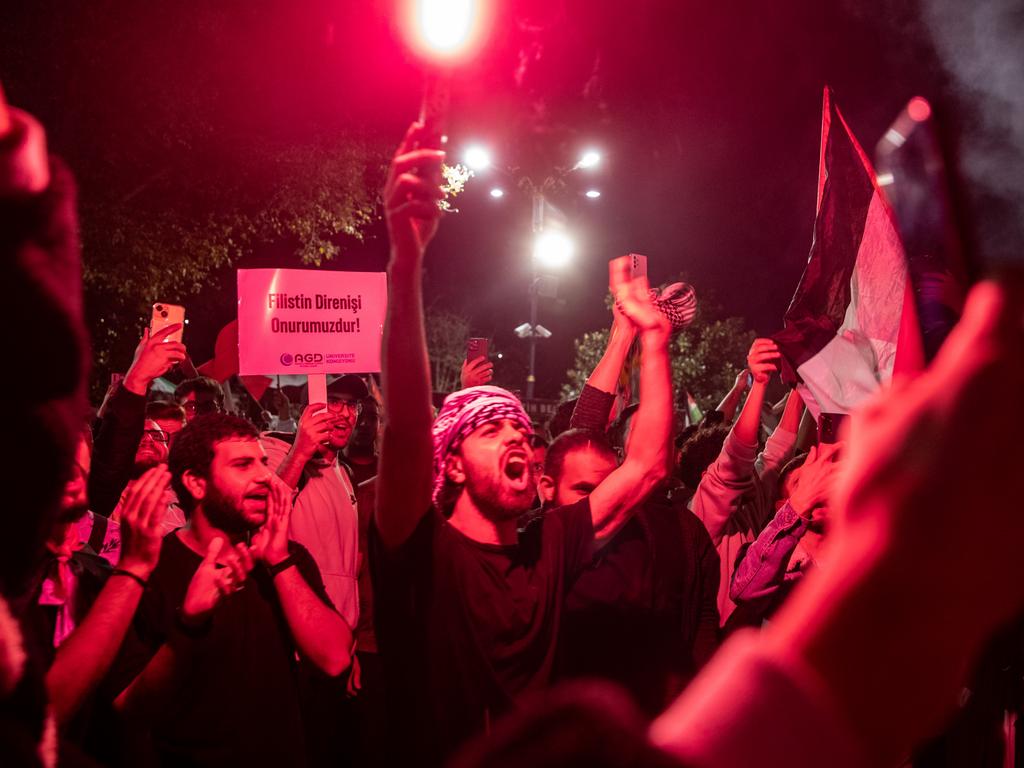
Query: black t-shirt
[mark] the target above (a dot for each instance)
(237, 699)
(643, 612)
(465, 627)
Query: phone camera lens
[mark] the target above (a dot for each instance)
(163, 314)
(159, 307)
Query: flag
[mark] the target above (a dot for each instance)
(224, 364)
(842, 329)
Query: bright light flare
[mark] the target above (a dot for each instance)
(553, 249)
(477, 158)
(589, 159)
(497, 192)
(919, 109)
(446, 28)
(593, 194)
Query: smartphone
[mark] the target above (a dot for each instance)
(167, 314)
(637, 265)
(828, 427)
(434, 110)
(476, 347)
(750, 379)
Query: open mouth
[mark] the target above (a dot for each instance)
(517, 468)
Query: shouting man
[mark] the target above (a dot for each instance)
(468, 606)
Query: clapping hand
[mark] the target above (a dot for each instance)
(222, 572)
(270, 544)
(141, 510)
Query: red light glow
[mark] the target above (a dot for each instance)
(445, 29)
(919, 109)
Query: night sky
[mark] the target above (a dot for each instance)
(708, 115)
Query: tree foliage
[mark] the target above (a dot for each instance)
(447, 332)
(706, 357)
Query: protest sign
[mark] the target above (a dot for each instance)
(303, 321)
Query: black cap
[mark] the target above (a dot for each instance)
(350, 385)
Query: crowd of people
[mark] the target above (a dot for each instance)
(377, 582)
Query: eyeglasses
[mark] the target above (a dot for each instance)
(195, 407)
(157, 435)
(338, 406)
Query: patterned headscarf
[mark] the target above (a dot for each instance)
(464, 411)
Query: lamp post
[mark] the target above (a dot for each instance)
(552, 245)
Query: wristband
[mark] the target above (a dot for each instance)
(133, 576)
(284, 565)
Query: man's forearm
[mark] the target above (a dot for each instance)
(730, 402)
(748, 424)
(291, 466)
(86, 656)
(320, 633)
(156, 681)
(652, 425)
(406, 446)
(605, 375)
(406, 365)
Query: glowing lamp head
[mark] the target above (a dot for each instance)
(477, 158)
(919, 109)
(589, 159)
(445, 29)
(593, 194)
(497, 192)
(553, 249)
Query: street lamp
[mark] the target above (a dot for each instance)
(593, 194)
(589, 159)
(477, 158)
(552, 249)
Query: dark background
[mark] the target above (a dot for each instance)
(708, 116)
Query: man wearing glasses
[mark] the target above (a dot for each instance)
(199, 396)
(324, 515)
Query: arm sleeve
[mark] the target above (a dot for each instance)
(762, 571)
(592, 409)
(719, 493)
(117, 440)
(777, 451)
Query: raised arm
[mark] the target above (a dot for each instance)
(123, 419)
(87, 654)
(731, 475)
(646, 462)
(598, 395)
(404, 478)
(731, 401)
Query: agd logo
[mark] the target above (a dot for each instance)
(302, 360)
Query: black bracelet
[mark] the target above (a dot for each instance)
(284, 565)
(133, 576)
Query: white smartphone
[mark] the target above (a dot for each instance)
(164, 315)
